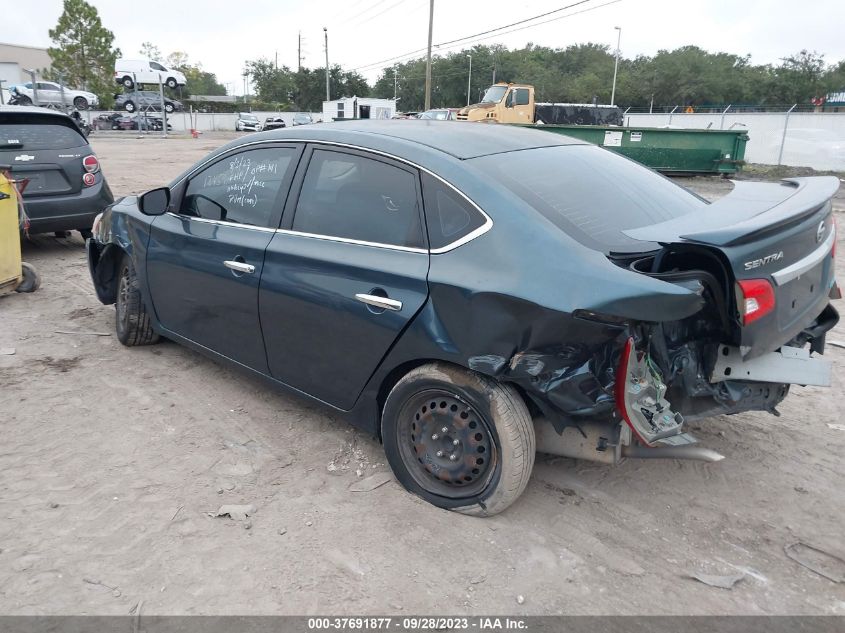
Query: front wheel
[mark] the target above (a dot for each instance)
(132, 321)
(129, 106)
(168, 107)
(458, 439)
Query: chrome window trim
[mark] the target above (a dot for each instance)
(250, 227)
(488, 221)
(793, 271)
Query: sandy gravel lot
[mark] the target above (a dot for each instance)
(111, 459)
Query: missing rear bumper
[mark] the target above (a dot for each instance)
(789, 365)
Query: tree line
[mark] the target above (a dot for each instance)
(83, 52)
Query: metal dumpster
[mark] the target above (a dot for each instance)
(667, 150)
(14, 274)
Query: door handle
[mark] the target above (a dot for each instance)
(241, 267)
(379, 302)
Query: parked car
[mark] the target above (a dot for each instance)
(247, 122)
(50, 93)
(469, 297)
(440, 114)
(64, 186)
(406, 115)
(146, 72)
(273, 123)
(302, 118)
(146, 100)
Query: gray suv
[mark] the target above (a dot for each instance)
(145, 99)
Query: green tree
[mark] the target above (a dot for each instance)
(150, 51)
(83, 50)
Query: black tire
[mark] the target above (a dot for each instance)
(80, 103)
(171, 83)
(168, 107)
(132, 321)
(473, 453)
(128, 83)
(129, 106)
(31, 280)
(85, 233)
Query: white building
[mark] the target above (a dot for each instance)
(358, 108)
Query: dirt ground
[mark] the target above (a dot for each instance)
(112, 457)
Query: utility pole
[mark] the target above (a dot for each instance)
(299, 51)
(3, 101)
(469, 79)
(395, 81)
(616, 65)
(326, 36)
(277, 61)
(428, 56)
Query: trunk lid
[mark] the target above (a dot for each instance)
(781, 233)
(47, 150)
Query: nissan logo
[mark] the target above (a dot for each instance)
(820, 231)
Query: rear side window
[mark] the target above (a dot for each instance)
(448, 215)
(242, 188)
(38, 132)
(353, 197)
(590, 193)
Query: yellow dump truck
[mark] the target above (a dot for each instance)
(514, 103)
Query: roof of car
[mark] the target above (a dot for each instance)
(462, 141)
(13, 109)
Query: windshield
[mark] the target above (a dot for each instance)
(249, 117)
(590, 193)
(494, 94)
(438, 115)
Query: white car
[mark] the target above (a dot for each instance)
(247, 122)
(50, 93)
(146, 71)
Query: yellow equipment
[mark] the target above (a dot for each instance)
(15, 275)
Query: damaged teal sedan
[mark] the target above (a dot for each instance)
(471, 297)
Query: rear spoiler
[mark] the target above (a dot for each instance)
(751, 208)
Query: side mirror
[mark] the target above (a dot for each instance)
(155, 202)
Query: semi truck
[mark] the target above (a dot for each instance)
(515, 103)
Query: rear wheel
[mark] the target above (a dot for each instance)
(85, 233)
(132, 321)
(171, 83)
(128, 83)
(30, 281)
(459, 440)
(80, 103)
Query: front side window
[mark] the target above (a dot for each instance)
(521, 96)
(243, 188)
(353, 197)
(156, 66)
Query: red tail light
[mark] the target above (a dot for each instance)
(91, 164)
(755, 299)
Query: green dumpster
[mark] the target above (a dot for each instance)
(667, 150)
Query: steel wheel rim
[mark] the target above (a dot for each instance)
(447, 446)
(122, 297)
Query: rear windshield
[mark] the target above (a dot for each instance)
(591, 193)
(36, 133)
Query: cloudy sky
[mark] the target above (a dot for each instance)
(222, 34)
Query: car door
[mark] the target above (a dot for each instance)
(205, 258)
(49, 93)
(345, 274)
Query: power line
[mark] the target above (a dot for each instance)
(500, 28)
(373, 17)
